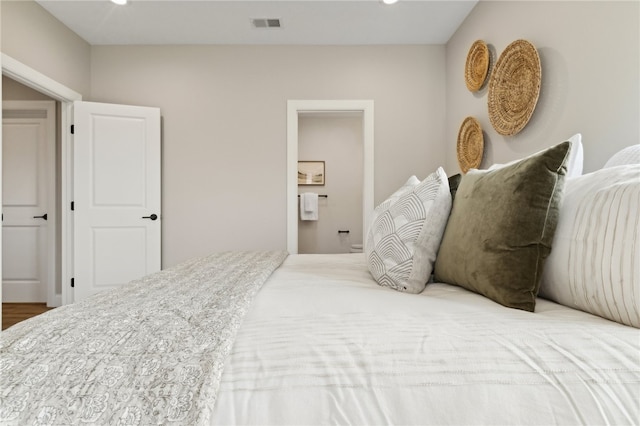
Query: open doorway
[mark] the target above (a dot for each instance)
(65, 97)
(73, 181)
(29, 197)
(295, 110)
(332, 141)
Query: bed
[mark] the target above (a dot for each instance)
(324, 344)
(271, 338)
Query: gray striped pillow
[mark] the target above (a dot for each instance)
(594, 265)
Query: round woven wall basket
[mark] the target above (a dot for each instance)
(477, 66)
(514, 88)
(470, 145)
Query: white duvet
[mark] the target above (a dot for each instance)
(324, 344)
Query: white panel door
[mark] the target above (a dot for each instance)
(28, 187)
(116, 195)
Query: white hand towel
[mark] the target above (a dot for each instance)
(309, 206)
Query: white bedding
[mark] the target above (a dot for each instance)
(324, 344)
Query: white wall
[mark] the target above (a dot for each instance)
(336, 139)
(224, 114)
(589, 52)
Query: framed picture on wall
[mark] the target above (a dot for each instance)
(311, 173)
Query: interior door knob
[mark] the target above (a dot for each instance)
(152, 217)
(44, 216)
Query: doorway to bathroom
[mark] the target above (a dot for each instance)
(338, 135)
(331, 142)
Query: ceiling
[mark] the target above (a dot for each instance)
(327, 22)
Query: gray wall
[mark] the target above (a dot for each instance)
(224, 111)
(336, 139)
(224, 107)
(14, 91)
(589, 51)
(0, 179)
(32, 36)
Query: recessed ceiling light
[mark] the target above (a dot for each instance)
(389, 1)
(119, 2)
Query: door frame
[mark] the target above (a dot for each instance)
(29, 77)
(294, 109)
(49, 107)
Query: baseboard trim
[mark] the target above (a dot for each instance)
(57, 301)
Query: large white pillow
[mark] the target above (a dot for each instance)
(405, 234)
(628, 155)
(594, 265)
(575, 162)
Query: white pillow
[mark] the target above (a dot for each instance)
(574, 163)
(405, 234)
(629, 155)
(594, 265)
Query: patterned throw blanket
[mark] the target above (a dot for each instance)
(151, 352)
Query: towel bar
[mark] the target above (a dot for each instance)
(320, 196)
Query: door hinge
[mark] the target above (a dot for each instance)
(73, 129)
(73, 206)
(73, 284)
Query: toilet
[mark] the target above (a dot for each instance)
(356, 248)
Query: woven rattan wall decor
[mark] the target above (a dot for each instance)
(514, 87)
(477, 66)
(470, 146)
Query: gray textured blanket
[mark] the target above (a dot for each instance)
(151, 352)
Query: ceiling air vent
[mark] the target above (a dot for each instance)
(266, 23)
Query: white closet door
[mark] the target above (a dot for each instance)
(117, 229)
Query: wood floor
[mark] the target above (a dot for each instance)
(13, 313)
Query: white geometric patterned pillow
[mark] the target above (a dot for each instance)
(405, 234)
(406, 187)
(594, 265)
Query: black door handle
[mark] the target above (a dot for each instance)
(44, 216)
(152, 217)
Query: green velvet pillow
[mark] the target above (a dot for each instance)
(501, 227)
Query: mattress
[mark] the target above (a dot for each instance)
(324, 344)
